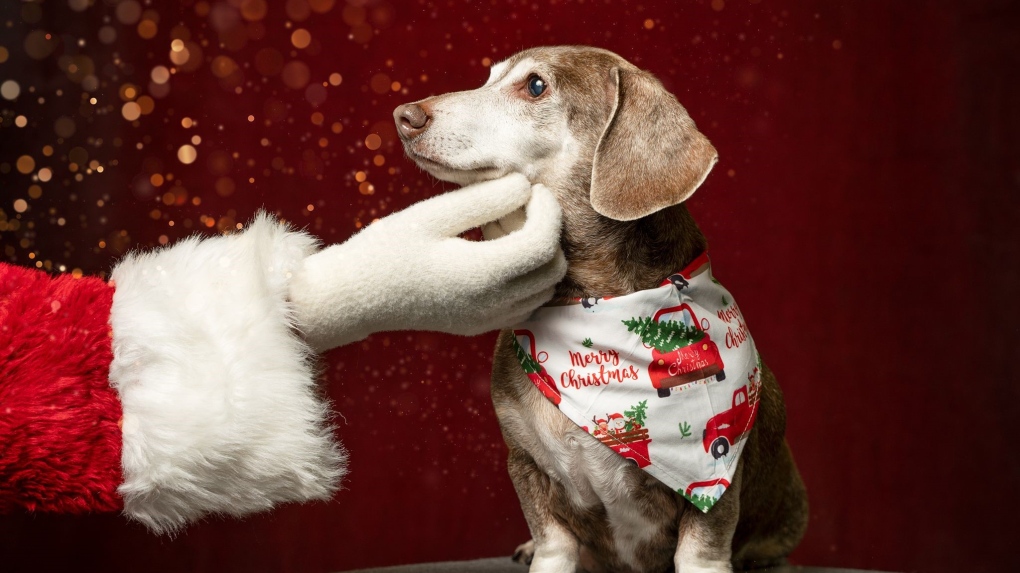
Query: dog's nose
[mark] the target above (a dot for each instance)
(412, 119)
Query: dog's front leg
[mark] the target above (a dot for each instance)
(706, 539)
(555, 549)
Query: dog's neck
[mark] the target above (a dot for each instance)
(613, 258)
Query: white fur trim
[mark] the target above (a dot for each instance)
(221, 412)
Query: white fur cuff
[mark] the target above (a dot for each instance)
(221, 412)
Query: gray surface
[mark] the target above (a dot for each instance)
(505, 565)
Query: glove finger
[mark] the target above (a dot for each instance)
(533, 245)
(527, 307)
(540, 279)
(505, 317)
(516, 300)
(452, 213)
(504, 225)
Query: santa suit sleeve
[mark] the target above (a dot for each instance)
(179, 389)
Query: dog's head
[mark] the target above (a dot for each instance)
(561, 115)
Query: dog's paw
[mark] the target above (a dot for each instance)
(525, 552)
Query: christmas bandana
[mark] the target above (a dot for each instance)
(666, 377)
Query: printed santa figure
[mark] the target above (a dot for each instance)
(617, 423)
(185, 386)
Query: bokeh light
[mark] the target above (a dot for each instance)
(131, 111)
(223, 66)
(147, 29)
(146, 105)
(300, 38)
(160, 74)
(187, 154)
(107, 34)
(128, 11)
(253, 10)
(296, 74)
(64, 127)
(39, 44)
(10, 89)
(26, 164)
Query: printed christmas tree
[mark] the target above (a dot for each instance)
(665, 336)
(702, 502)
(635, 416)
(528, 363)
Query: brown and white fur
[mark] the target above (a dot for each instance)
(621, 155)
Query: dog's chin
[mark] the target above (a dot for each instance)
(454, 174)
(468, 177)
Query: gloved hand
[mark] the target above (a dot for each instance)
(410, 270)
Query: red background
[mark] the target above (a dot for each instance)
(864, 213)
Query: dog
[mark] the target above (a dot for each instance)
(621, 155)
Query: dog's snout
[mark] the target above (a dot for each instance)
(412, 119)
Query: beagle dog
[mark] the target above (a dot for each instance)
(621, 155)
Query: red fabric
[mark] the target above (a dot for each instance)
(59, 418)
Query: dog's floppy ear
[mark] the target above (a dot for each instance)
(651, 155)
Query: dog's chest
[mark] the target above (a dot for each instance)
(592, 477)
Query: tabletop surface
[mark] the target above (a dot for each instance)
(505, 565)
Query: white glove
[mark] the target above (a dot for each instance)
(410, 270)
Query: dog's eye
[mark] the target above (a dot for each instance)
(536, 86)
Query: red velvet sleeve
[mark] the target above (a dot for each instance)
(60, 439)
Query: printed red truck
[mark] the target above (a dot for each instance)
(712, 487)
(524, 346)
(695, 361)
(631, 445)
(727, 428)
